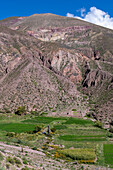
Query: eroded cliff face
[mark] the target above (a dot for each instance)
(98, 84)
(67, 64)
(95, 78)
(43, 58)
(31, 78)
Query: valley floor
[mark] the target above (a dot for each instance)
(72, 144)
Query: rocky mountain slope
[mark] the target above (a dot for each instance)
(45, 60)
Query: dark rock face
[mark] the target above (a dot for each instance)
(44, 57)
(95, 78)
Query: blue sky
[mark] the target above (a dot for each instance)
(61, 7)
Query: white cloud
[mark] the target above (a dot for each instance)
(82, 11)
(95, 16)
(70, 15)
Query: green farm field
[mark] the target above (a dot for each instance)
(74, 138)
(108, 154)
(17, 127)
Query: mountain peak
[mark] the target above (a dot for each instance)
(45, 14)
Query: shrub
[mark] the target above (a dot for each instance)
(43, 114)
(50, 108)
(1, 157)
(44, 147)
(34, 106)
(89, 114)
(34, 148)
(110, 135)
(86, 161)
(49, 135)
(59, 155)
(17, 161)
(7, 166)
(53, 110)
(13, 160)
(25, 168)
(10, 160)
(37, 129)
(25, 162)
(7, 110)
(111, 130)
(1, 111)
(92, 109)
(98, 124)
(10, 134)
(53, 130)
(74, 109)
(85, 97)
(34, 113)
(19, 141)
(54, 146)
(20, 110)
(111, 123)
(41, 164)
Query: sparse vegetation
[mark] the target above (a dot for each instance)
(10, 160)
(1, 156)
(17, 161)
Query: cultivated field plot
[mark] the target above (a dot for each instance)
(80, 154)
(17, 127)
(79, 132)
(69, 138)
(108, 154)
(45, 120)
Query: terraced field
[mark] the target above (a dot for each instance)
(108, 154)
(69, 138)
(44, 120)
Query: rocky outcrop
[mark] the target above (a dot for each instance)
(95, 78)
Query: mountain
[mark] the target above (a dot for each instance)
(50, 61)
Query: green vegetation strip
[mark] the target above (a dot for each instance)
(108, 153)
(60, 127)
(45, 120)
(17, 127)
(80, 153)
(78, 121)
(81, 138)
(83, 132)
